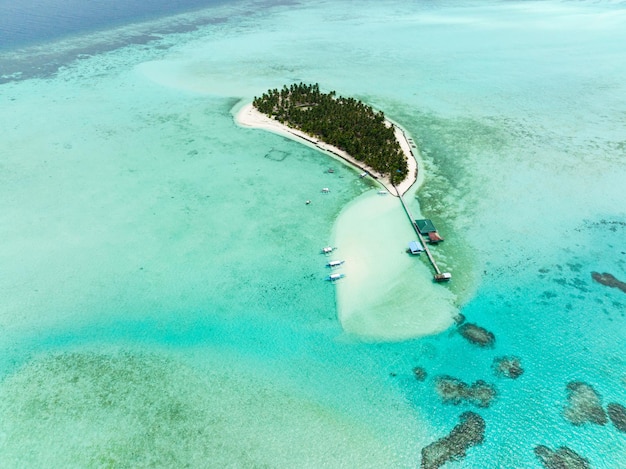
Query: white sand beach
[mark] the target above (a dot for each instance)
(249, 116)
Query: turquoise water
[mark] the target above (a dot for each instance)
(162, 300)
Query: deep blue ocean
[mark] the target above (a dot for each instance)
(28, 22)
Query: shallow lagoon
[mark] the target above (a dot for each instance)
(146, 235)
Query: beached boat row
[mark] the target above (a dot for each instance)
(335, 276)
(333, 264)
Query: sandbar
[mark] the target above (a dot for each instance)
(387, 295)
(249, 116)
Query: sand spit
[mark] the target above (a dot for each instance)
(386, 294)
(249, 116)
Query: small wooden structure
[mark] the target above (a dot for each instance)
(427, 228)
(415, 248)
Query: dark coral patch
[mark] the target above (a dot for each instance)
(469, 432)
(562, 458)
(617, 414)
(477, 335)
(609, 280)
(419, 373)
(454, 391)
(507, 367)
(584, 405)
(459, 319)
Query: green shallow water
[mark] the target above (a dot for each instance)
(142, 409)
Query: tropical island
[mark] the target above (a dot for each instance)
(346, 123)
(344, 127)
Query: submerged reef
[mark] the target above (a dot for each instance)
(617, 414)
(459, 319)
(469, 432)
(584, 405)
(562, 458)
(477, 335)
(454, 391)
(507, 367)
(609, 280)
(134, 409)
(419, 373)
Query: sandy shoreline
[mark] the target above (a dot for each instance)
(249, 116)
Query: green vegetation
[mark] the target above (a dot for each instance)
(345, 123)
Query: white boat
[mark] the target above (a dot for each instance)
(382, 192)
(444, 277)
(333, 277)
(327, 250)
(325, 190)
(363, 174)
(334, 263)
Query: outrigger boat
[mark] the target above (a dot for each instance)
(328, 250)
(334, 263)
(333, 277)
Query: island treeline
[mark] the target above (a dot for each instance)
(345, 123)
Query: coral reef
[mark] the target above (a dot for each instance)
(469, 432)
(419, 373)
(477, 335)
(609, 280)
(507, 367)
(584, 405)
(454, 391)
(617, 414)
(459, 319)
(562, 458)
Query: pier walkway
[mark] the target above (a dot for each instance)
(439, 276)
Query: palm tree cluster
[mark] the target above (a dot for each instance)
(345, 123)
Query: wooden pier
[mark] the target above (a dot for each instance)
(439, 276)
